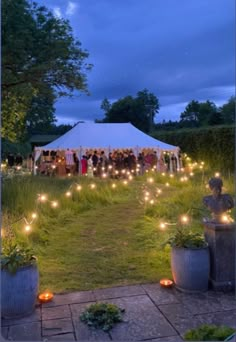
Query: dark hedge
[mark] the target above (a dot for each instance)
(214, 145)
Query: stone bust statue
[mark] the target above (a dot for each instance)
(217, 203)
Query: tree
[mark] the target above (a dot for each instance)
(228, 111)
(208, 113)
(105, 105)
(191, 113)
(139, 110)
(38, 50)
(40, 116)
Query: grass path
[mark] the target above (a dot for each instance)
(101, 247)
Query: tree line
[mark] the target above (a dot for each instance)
(41, 61)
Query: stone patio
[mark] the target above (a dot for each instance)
(151, 313)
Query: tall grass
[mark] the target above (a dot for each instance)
(103, 236)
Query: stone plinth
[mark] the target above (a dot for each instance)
(221, 239)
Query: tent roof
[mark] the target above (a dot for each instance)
(105, 135)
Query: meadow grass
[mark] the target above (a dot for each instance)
(104, 236)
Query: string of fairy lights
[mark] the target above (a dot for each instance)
(150, 194)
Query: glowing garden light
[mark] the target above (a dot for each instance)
(103, 168)
(162, 225)
(104, 175)
(92, 186)
(167, 184)
(42, 198)
(94, 169)
(147, 193)
(151, 202)
(116, 172)
(113, 185)
(34, 215)
(191, 174)
(53, 166)
(217, 174)
(171, 175)
(150, 180)
(110, 167)
(146, 198)
(184, 219)
(68, 194)
(130, 177)
(123, 171)
(79, 187)
(27, 228)
(159, 191)
(163, 174)
(18, 168)
(54, 204)
(201, 167)
(125, 182)
(69, 174)
(182, 169)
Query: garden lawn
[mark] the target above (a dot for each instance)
(102, 237)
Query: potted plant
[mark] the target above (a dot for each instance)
(19, 280)
(190, 263)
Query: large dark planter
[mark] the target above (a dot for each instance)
(19, 291)
(190, 268)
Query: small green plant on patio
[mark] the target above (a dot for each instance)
(102, 316)
(209, 332)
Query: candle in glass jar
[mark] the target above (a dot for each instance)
(45, 297)
(166, 282)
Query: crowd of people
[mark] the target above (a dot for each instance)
(98, 163)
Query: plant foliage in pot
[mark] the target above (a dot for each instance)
(190, 263)
(19, 280)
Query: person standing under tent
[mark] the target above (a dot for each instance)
(69, 161)
(90, 166)
(84, 165)
(95, 162)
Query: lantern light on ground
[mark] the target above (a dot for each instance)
(54, 204)
(217, 174)
(167, 184)
(45, 297)
(68, 193)
(151, 201)
(113, 185)
(92, 186)
(184, 219)
(162, 225)
(166, 283)
(79, 187)
(42, 198)
(34, 215)
(27, 228)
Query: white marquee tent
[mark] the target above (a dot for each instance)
(106, 136)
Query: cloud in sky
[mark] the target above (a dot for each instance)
(57, 12)
(71, 8)
(180, 51)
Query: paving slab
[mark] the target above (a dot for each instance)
(142, 320)
(4, 332)
(62, 337)
(25, 332)
(200, 303)
(82, 331)
(119, 291)
(173, 311)
(57, 326)
(220, 318)
(62, 311)
(72, 297)
(167, 339)
(34, 317)
(160, 295)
